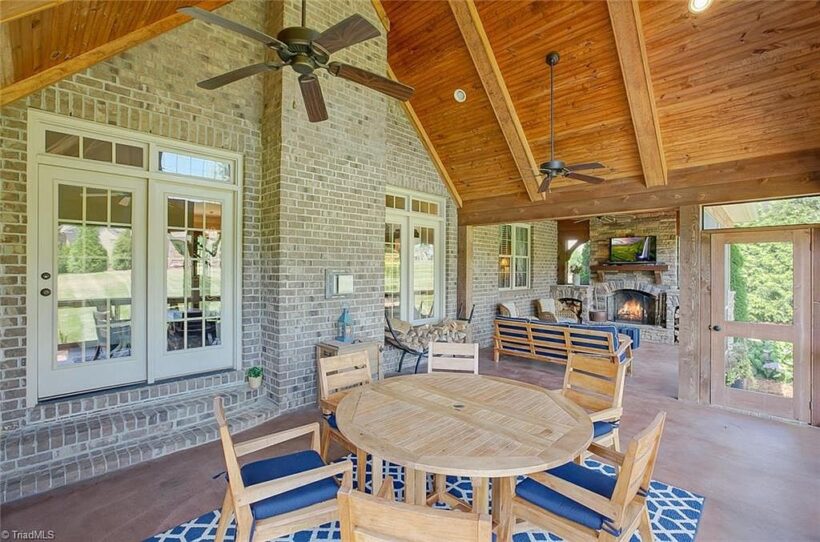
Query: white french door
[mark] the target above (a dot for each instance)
(190, 277)
(91, 281)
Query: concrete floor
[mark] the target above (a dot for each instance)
(761, 478)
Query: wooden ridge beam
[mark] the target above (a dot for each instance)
(381, 14)
(472, 30)
(24, 87)
(428, 145)
(626, 26)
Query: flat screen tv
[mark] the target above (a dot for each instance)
(633, 249)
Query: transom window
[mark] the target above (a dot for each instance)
(514, 251)
(413, 257)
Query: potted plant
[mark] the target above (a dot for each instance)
(254, 377)
(575, 269)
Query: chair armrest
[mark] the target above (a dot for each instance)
(596, 502)
(387, 491)
(607, 415)
(254, 445)
(623, 344)
(265, 490)
(607, 453)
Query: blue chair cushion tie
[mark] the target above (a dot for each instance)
(331, 421)
(600, 429)
(558, 504)
(286, 465)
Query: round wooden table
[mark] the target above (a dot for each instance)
(465, 425)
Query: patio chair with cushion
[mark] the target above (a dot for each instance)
(597, 384)
(582, 504)
(280, 495)
(452, 357)
(337, 376)
(368, 518)
(545, 309)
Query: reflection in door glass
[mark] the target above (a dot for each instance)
(760, 280)
(193, 274)
(760, 365)
(424, 277)
(93, 275)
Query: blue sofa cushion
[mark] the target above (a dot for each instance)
(633, 333)
(593, 341)
(331, 421)
(600, 429)
(594, 481)
(285, 465)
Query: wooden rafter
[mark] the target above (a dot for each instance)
(14, 9)
(626, 26)
(24, 87)
(428, 145)
(472, 30)
(382, 14)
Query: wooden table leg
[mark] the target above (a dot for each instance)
(376, 473)
(502, 507)
(481, 495)
(415, 486)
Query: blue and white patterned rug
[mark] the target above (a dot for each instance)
(673, 512)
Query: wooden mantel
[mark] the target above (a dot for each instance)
(604, 268)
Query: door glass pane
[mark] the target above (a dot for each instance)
(760, 365)
(193, 273)
(129, 155)
(96, 149)
(62, 144)
(392, 269)
(424, 254)
(94, 281)
(760, 282)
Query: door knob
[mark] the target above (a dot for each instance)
(715, 327)
(45, 292)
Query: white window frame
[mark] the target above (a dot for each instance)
(514, 257)
(408, 219)
(38, 123)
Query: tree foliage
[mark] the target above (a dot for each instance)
(121, 252)
(87, 254)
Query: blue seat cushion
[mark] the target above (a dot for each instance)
(542, 496)
(331, 421)
(633, 333)
(285, 465)
(600, 429)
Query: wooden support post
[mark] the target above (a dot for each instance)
(464, 288)
(690, 298)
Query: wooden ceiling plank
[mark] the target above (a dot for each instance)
(469, 23)
(24, 87)
(626, 26)
(428, 145)
(11, 10)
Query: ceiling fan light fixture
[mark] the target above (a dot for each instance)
(699, 6)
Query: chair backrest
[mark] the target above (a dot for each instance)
(337, 373)
(452, 357)
(508, 308)
(638, 465)
(594, 382)
(368, 518)
(596, 340)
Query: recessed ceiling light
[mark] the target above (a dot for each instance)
(460, 96)
(699, 6)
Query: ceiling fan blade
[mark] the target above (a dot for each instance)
(395, 89)
(213, 18)
(236, 75)
(312, 94)
(545, 184)
(588, 165)
(355, 29)
(585, 178)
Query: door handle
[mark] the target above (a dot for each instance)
(715, 327)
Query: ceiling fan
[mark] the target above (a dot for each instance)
(306, 50)
(556, 168)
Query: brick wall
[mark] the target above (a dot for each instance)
(150, 88)
(487, 296)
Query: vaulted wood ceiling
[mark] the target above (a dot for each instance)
(681, 108)
(735, 97)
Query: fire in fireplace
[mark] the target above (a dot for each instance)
(636, 307)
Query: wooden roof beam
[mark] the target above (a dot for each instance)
(626, 26)
(466, 15)
(24, 87)
(428, 145)
(15, 9)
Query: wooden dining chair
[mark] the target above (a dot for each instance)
(596, 383)
(280, 495)
(337, 376)
(377, 518)
(452, 357)
(581, 504)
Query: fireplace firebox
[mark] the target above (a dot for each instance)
(635, 307)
